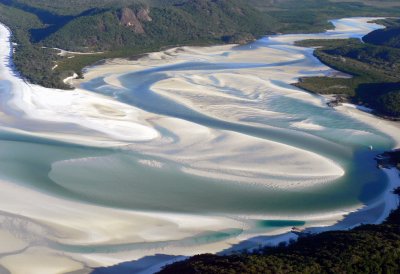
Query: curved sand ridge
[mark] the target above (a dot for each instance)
(202, 151)
(230, 117)
(242, 85)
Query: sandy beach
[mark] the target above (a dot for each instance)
(249, 137)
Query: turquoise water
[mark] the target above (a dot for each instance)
(115, 177)
(362, 181)
(280, 223)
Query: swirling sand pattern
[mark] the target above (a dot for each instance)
(180, 152)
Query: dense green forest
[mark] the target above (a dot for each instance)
(366, 249)
(124, 28)
(32, 61)
(375, 67)
(389, 37)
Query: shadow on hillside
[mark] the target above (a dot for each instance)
(148, 264)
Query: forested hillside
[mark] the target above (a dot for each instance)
(124, 28)
(33, 62)
(119, 28)
(374, 65)
(386, 37)
(138, 26)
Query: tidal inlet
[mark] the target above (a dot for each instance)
(184, 151)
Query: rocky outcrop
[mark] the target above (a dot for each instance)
(144, 15)
(128, 18)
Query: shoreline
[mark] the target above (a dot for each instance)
(117, 105)
(388, 193)
(260, 242)
(335, 248)
(96, 259)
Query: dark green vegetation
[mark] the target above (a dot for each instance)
(390, 102)
(389, 159)
(125, 28)
(365, 249)
(33, 62)
(375, 67)
(389, 37)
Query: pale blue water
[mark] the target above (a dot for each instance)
(116, 179)
(362, 181)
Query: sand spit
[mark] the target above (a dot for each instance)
(72, 234)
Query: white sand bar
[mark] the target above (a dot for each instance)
(83, 203)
